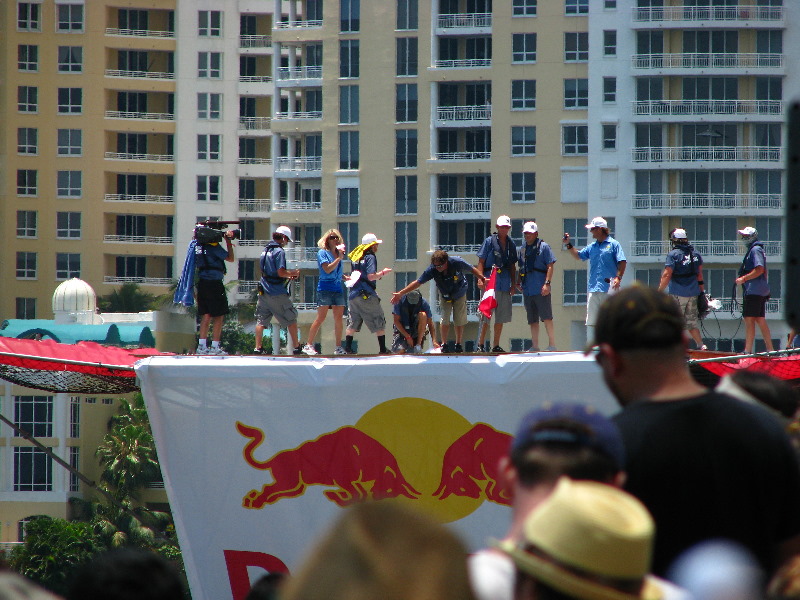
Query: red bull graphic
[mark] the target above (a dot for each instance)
(356, 465)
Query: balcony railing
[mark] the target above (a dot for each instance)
(255, 205)
(464, 113)
(705, 60)
(246, 288)
(138, 239)
(139, 32)
(708, 13)
(463, 63)
(255, 78)
(139, 74)
(463, 155)
(459, 248)
(138, 198)
(301, 254)
(255, 41)
(119, 114)
(299, 115)
(697, 153)
(472, 308)
(298, 24)
(705, 248)
(254, 160)
(143, 280)
(299, 163)
(707, 107)
(463, 205)
(254, 123)
(715, 201)
(134, 156)
(286, 73)
(464, 21)
(285, 205)
(774, 306)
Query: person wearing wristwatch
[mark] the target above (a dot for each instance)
(607, 264)
(535, 270)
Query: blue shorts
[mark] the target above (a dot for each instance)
(325, 298)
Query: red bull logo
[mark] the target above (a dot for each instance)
(410, 449)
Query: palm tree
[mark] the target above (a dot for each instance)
(137, 526)
(128, 455)
(129, 298)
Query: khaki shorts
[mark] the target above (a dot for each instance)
(593, 306)
(367, 311)
(279, 306)
(688, 306)
(457, 308)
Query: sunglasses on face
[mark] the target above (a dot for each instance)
(333, 237)
(439, 264)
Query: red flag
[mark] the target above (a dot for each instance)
(488, 301)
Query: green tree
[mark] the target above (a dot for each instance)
(129, 298)
(53, 549)
(235, 339)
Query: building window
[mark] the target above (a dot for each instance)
(523, 187)
(209, 65)
(34, 414)
(209, 105)
(26, 308)
(70, 101)
(347, 202)
(576, 93)
(70, 59)
(130, 266)
(405, 195)
(348, 150)
(69, 184)
(26, 223)
(407, 56)
(609, 89)
(576, 7)
(28, 16)
(523, 140)
(575, 139)
(75, 417)
(523, 47)
(576, 230)
(33, 470)
(349, 15)
(574, 286)
(405, 155)
(68, 265)
(75, 463)
(523, 94)
(208, 145)
(405, 240)
(28, 58)
(27, 99)
(403, 278)
(609, 43)
(524, 8)
(70, 18)
(348, 104)
(349, 231)
(407, 16)
(610, 4)
(609, 137)
(27, 140)
(576, 46)
(406, 103)
(26, 182)
(348, 59)
(209, 23)
(70, 142)
(208, 188)
(68, 225)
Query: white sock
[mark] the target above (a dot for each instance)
(215, 344)
(201, 343)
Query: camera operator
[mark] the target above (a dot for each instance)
(212, 300)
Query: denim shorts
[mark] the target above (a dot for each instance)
(326, 298)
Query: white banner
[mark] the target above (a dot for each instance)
(260, 454)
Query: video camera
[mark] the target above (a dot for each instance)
(210, 232)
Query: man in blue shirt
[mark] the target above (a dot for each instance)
(413, 320)
(212, 300)
(273, 290)
(535, 268)
(498, 250)
(753, 277)
(607, 264)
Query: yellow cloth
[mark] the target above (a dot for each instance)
(357, 252)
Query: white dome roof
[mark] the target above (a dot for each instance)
(74, 295)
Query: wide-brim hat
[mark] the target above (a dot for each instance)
(588, 540)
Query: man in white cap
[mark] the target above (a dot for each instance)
(273, 291)
(498, 250)
(753, 278)
(535, 268)
(607, 264)
(683, 280)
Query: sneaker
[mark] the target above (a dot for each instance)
(202, 350)
(349, 351)
(298, 350)
(532, 349)
(458, 349)
(417, 349)
(309, 349)
(339, 351)
(385, 351)
(480, 348)
(551, 349)
(497, 350)
(259, 351)
(703, 347)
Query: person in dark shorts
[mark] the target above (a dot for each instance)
(753, 277)
(212, 299)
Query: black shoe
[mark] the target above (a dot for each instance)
(259, 351)
(298, 350)
(385, 351)
(458, 349)
(481, 348)
(497, 350)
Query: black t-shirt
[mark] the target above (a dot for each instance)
(711, 467)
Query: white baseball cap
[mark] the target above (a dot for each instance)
(370, 238)
(748, 231)
(284, 230)
(597, 222)
(530, 227)
(680, 234)
(503, 221)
